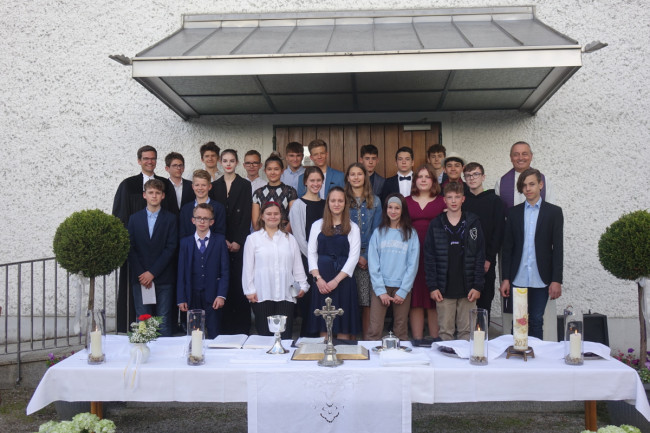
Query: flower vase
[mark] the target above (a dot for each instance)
(143, 349)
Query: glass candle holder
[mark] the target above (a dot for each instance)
(96, 336)
(196, 332)
(574, 337)
(478, 336)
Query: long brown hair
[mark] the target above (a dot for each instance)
(405, 224)
(366, 193)
(435, 187)
(328, 221)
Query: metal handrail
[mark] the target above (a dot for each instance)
(39, 308)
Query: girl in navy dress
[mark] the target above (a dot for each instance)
(333, 253)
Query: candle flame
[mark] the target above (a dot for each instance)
(576, 331)
(478, 327)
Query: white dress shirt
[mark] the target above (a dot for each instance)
(405, 185)
(271, 265)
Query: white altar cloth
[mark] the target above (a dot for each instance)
(167, 377)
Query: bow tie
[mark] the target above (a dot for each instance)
(405, 178)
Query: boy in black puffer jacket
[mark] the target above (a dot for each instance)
(454, 258)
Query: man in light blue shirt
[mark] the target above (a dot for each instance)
(294, 154)
(533, 250)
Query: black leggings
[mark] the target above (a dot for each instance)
(270, 308)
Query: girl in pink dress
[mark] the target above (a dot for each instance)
(424, 204)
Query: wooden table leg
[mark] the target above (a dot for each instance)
(97, 408)
(591, 417)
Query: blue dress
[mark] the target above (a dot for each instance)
(333, 252)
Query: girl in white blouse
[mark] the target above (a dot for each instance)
(272, 263)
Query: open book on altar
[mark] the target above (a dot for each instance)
(316, 352)
(243, 341)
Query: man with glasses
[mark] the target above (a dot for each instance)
(487, 205)
(178, 190)
(129, 200)
(252, 164)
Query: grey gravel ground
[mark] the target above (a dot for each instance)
(231, 417)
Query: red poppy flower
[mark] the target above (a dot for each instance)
(144, 317)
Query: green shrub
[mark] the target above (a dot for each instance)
(624, 248)
(91, 242)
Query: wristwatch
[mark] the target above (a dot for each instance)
(316, 277)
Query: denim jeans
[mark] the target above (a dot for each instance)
(537, 299)
(164, 299)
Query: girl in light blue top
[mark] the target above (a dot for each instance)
(365, 211)
(393, 254)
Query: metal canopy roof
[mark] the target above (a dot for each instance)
(359, 61)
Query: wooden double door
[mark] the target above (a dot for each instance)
(344, 142)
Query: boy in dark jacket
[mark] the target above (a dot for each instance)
(490, 211)
(454, 257)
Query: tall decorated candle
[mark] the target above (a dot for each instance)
(520, 317)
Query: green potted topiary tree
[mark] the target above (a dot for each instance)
(91, 243)
(624, 251)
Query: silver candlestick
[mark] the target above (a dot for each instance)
(328, 312)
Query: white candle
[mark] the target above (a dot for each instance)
(197, 343)
(96, 344)
(479, 341)
(575, 345)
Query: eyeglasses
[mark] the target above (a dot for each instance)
(473, 175)
(202, 220)
(177, 166)
(252, 164)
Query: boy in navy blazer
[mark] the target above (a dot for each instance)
(201, 186)
(154, 237)
(533, 249)
(318, 154)
(203, 270)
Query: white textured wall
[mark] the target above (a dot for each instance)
(72, 120)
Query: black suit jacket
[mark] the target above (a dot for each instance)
(155, 253)
(391, 185)
(128, 198)
(549, 248)
(171, 199)
(238, 204)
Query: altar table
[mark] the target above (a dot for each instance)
(167, 377)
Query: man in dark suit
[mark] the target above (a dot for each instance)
(318, 154)
(203, 270)
(154, 238)
(403, 180)
(533, 249)
(128, 200)
(178, 190)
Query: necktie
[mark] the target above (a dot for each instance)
(405, 178)
(202, 247)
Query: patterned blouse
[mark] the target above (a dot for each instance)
(283, 194)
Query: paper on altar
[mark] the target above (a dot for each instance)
(148, 294)
(327, 400)
(263, 342)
